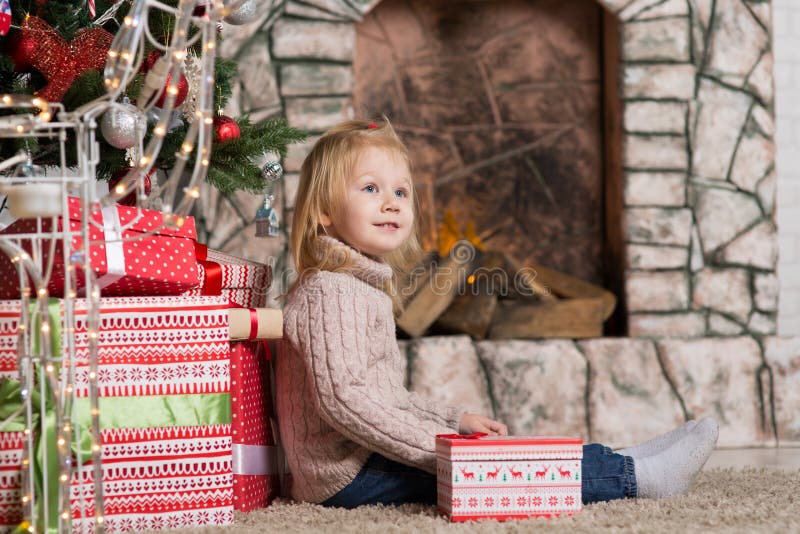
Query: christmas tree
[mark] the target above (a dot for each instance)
(57, 49)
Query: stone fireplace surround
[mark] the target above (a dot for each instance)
(696, 95)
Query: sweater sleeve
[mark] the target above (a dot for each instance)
(331, 332)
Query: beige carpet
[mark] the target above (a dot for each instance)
(722, 500)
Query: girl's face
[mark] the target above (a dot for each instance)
(378, 212)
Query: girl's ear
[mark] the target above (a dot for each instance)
(325, 219)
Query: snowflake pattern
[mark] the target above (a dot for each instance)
(521, 501)
(151, 374)
(215, 370)
(505, 501)
(141, 523)
(569, 500)
(181, 372)
(173, 522)
(167, 373)
(456, 502)
(125, 525)
(120, 375)
(488, 502)
(473, 502)
(198, 371)
(553, 500)
(219, 517)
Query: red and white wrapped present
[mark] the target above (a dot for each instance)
(507, 477)
(125, 261)
(176, 397)
(241, 281)
(10, 461)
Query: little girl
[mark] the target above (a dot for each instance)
(352, 433)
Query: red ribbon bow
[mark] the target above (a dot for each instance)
(61, 61)
(212, 284)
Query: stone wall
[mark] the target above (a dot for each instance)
(787, 109)
(619, 391)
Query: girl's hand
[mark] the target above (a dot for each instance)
(472, 422)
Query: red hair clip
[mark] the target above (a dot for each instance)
(372, 125)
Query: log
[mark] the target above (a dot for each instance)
(573, 318)
(471, 312)
(269, 323)
(568, 286)
(435, 295)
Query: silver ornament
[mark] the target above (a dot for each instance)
(244, 13)
(272, 171)
(175, 118)
(122, 126)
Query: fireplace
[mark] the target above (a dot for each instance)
(682, 203)
(502, 106)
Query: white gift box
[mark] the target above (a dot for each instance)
(508, 477)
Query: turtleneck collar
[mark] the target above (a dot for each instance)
(374, 272)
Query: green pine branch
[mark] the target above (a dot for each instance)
(232, 164)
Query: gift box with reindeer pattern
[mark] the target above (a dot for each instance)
(508, 477)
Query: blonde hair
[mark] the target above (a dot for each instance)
(324, 177)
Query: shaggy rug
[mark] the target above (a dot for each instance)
(722, 500)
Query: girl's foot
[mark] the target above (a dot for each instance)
(658, 443)
(672, 471)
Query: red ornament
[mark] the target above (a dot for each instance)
(130, 198)
(59, 61)
(225, 129)
(20, 49)
(183, 83)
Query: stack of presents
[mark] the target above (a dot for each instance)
(185, 427)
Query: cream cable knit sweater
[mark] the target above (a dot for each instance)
(340, 386)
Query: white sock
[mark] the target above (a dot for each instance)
(672, 471)
(658, 443)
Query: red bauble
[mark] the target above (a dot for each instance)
(183, 83)
(225, 129)
(130, 198)
(20, 49)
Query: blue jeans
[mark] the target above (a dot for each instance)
(606, 476)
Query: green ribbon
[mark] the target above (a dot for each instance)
(154, 411)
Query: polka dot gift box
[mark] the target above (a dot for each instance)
(185, 431)
(131, 252)
(507, 477)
